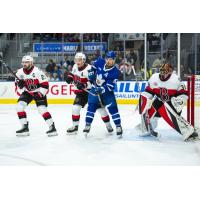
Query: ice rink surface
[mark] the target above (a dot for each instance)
(98, 149)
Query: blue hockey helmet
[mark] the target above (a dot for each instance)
(111, 54)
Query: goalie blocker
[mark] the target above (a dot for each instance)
(165, 97)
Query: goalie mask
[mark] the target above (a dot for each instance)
(165, 71)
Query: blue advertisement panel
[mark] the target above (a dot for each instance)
(69, 47)
(129, 89)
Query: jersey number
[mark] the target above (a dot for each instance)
(164, 94)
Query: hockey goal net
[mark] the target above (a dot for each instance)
(193, 103)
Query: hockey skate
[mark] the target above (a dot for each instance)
(119, 131)
(153, 133)
(24, 131)
(86, 130)
(72, 130)
(52, 131)
(146, 127)
(109, 128)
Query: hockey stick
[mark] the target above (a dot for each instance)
(99, 97)
(12, 72)
(149, 126)
(15, 76)
(139, 91)
(88, 91)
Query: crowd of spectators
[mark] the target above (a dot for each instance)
(70, 37)
(129, 63)
(59, 71)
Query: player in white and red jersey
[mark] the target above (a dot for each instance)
(79, 76)
(165, 97)
(34, 85)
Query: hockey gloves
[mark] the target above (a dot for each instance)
(99, 90)
(81, 86)
(70, 77)
(91, 75)
(20, 83)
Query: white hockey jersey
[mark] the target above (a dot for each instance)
(81, 75)
(35, 81)
(171, 87)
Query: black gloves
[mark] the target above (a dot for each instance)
(70, 77)
(20, 83)
(81, 86)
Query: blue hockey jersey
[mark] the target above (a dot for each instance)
(102, 77)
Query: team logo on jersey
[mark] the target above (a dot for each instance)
(100, 80)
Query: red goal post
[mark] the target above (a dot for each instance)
(193, 103)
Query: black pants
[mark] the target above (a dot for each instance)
(26, 97)
(81, 99)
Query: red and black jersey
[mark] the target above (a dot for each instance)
(165, 89)
(35, 80)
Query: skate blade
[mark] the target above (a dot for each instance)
(158, 136)
(192, 139)
(147, 134)
(109, 134)
(23, 134)
(86, 135)
(119, 136)
(72, 133)
(52, 134)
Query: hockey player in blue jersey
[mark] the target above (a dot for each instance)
(103, 75)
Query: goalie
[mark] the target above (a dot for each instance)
(165, 97)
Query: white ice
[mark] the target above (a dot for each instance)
(98, 149)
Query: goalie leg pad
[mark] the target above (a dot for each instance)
(144, 104)
(175, 120)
